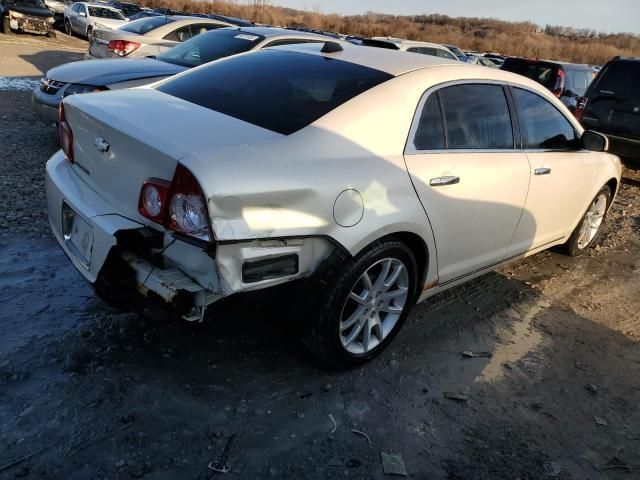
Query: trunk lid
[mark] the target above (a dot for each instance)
(125, 137)
(614, 100)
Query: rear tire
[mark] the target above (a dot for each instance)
(6, 26)
(89, 30)
(588, 230)
(363, 305)
(67, 27)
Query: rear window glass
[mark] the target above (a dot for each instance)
(281, 91)
(210, 46)
(620, 79)
(578, 81)
(544, 74)
(145, 25)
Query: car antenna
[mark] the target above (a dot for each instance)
(331, 47)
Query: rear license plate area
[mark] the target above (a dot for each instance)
(78, 235)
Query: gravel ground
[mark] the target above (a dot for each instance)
(87, 392)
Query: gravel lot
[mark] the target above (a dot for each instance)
(90, 393)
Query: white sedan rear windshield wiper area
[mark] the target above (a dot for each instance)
(281, 91)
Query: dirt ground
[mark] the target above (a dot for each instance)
(90, 393)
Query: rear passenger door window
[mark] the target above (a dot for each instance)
(476, 117)
(430, 131)
(542, 124)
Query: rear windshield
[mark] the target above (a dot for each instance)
(105, 13)
(210, 46)
(145, 25)
(544, 74)
(282, 91)
(619, 79)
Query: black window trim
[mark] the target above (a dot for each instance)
(410, 148)
(576, 132)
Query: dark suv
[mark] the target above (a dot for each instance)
(567, 81)
(612, 106)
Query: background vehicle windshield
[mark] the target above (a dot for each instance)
(282, 91)
(210, 46)
(145, 25)
(105, 13)
(28, 3)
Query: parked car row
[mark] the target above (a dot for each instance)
(360, 179)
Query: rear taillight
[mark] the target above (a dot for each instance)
(153, 199)
(179, 206)
(122, 48)
(66, 135)
(558, 89)
(580, 107)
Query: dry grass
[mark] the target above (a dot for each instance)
(482, 34)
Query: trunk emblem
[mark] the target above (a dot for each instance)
(101, 144)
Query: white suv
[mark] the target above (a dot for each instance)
(82, 18)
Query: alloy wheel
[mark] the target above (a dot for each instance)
(592, 221)
(374, 305)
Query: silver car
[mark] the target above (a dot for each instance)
(82, 18)
(148, 37)
(112, 74)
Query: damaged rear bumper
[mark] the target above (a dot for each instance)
(128, 262)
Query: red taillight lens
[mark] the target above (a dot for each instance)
(153, 199)
(66, 135)
(580, 107)
(179, 206)
(122, 48)
(558, 89)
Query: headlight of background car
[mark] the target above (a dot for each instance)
(78, 88)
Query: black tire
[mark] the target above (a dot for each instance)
(89, 30)
(6, 27)
(67, 27)
(572, 247)
(322, 337)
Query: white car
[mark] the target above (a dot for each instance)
(413, 46)
(82, 18)
(372, 179)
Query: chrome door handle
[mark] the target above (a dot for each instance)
(442, 181)
(542, 171)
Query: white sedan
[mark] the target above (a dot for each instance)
(375, 179)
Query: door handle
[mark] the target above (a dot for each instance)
(442, 181)
(542, 171)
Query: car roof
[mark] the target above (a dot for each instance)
(99, 5)
(400, 42)
(579, 66)
(393, 62)
(270, 32)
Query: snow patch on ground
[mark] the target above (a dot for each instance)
(13, 83)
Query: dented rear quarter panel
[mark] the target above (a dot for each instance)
(287, 187)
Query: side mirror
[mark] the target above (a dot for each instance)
(594, 141)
